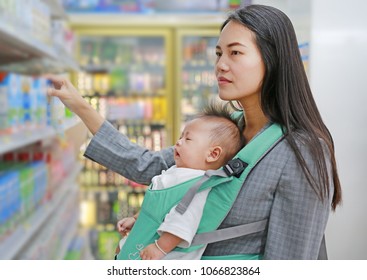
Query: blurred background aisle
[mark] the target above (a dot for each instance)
(147, 66)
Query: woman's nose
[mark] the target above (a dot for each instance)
(222, 66)
(178, 142)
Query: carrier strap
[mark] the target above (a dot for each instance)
(228, 233)
(186, 200)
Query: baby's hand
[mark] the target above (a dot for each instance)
(151, 252)
(125, 225)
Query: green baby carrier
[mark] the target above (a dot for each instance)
(225, 184)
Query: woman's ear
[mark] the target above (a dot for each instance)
(214, 154)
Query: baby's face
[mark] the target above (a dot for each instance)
(192, 149)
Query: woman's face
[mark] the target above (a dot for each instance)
(239, 67)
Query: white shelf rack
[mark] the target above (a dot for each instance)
(21, 53)
(26, 137)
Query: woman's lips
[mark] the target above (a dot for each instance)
(222, 80)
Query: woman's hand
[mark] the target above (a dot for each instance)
(67, 93)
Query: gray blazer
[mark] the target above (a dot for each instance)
(276, 190)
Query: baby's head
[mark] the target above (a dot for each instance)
(210, 140)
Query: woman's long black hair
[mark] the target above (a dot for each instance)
(286, 97)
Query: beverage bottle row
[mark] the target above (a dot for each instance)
(122, 82)
(28, 178)
(124, 50)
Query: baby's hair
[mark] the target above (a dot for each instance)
(225, 132)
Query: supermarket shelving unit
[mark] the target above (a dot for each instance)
(21, 53)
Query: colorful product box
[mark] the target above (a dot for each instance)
(10, 201)
(4, 125)
(10, 87)
(40, 93)
(29, 102)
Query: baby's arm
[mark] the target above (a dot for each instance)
(184, 226)
(165, 244)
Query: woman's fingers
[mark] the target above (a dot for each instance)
(52, 92)
(56, 80)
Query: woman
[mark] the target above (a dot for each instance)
(295, 185)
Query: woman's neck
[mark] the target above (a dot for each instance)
(255, 120)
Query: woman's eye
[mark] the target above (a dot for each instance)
(218, 54)
(235, 52)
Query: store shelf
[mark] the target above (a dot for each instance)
(20, 48)
(12, 245)
(72, 230)
(17, 140)
(26, 55)
(43, 65)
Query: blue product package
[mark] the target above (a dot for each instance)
(40, 181)
(4, 125)
(25, 82)
(49, 106)
(2, 204)
(40, 89)
(10, 84)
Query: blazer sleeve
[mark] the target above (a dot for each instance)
(298, 217)
(115, 151)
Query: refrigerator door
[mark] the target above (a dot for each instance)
(127, 77)
(196, 79)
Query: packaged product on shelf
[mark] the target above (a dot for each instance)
(4, 126)
(86, 52)
(101, 83)
(159, 108)
(88, 207)
(57, 32)
(40, 172)
(111, 177)
(122, 203)
(116, 207)
(119, 80)
(108, 52)
(41, 26)
(26, 182)
(55, 113)
(10, 201)
(44, 156)
(29, 100)
(104, 208)
(10, 83)
(34, 180)
(40, 92)
(107, 241)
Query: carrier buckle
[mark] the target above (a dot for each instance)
(235, 167)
